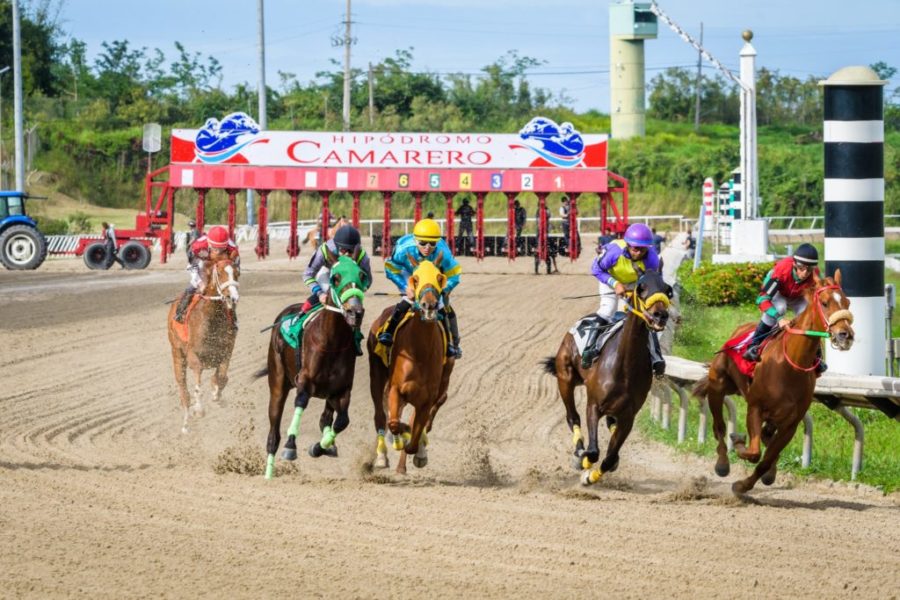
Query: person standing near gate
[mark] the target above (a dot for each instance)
(551, 253)
(466, 212)
(564, 215)
(109, 240)
(192, 236)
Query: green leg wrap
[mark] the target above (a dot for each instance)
(328, 436)
(270, 466)
(295, 422)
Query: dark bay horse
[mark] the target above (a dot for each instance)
(206, 339)
(617, 382)
(781, 390)
(418, 373)
(323, 366)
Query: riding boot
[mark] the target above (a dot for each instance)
(590, 347)
(453, 349)
(357, 341)
(821, 367)
(657, 362)
(183, 304)
(386, 338)
(761, 333)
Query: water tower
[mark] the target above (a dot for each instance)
(630, 23)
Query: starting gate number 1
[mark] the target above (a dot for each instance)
(527, 181)
(559, 182)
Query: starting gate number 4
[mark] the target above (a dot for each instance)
(527, 181)
(465, 181)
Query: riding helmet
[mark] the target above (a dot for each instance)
(806, 254)
(218, 237)
(427, 230)
(347, 238)
(639, 234)
(192, 223)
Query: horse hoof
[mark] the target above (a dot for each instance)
(738, 439)
(576, 463)
(381, 462)
(739, 488)
(185, 430)
(316, 450)
(289, 454)
(723, 469)
(590, 476)
(769, 477)
(420, 462)
(330, 452)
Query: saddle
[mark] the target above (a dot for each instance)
(583, 328)
(292, 328)
(735, 348)
(181, 329)
(384, 352)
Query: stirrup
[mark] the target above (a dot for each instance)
(587, 359)
(659, 368)
(752, 354)
(386, 338)
(454, 351)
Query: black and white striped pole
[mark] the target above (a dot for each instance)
(854, 211)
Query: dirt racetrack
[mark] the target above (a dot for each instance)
(102, 496)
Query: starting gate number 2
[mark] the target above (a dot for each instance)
(527, 181)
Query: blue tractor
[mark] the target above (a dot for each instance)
(22, 246)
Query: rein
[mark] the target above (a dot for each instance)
(827, 321)
(643, 305)
(220, 287)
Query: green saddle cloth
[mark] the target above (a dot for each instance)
(292, 327)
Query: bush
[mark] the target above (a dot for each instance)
(720, 285)
(79, 222)
(49, 226)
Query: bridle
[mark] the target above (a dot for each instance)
(828, 321)
(641, 306)
(222, 287)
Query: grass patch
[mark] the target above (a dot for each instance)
(701, 332)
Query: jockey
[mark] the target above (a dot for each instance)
(216, 245)
(782, 289)
(618, 266)
(346, 242)
(423, 244)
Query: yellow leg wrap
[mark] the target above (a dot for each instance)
(398, 442)
(612, 430)
(424, 439)
(380, 447)
(576, 435)
(586, 463)
(595, 475)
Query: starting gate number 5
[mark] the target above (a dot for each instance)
(434, 180)
(527, 181)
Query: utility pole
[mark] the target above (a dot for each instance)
(699, 79)
(371, 97)
(262, 120)
(346, 41)
(17, 98)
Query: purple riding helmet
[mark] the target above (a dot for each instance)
(639, 234)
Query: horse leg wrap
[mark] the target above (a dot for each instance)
(380, 446)
(295, 422)
(576, 435)
(270, 466)
(591, 477)
(398, 442)
(328, 436)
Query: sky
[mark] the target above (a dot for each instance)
(796, 37)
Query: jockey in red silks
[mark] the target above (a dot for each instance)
(618, 266)
(216, 245)
(783, 289)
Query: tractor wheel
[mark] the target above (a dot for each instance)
(135, 255)
(22, 248)
(96, 257)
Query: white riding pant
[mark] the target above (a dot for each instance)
(323, 278)
(196, 275)
(781, 304)
(609, 302)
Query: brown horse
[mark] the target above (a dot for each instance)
(418, 373)
(781, 390)
(209, 332)
(323, 366)
(617, 382)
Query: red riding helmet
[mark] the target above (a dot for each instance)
(218, 237)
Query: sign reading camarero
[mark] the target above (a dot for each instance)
(237, 140)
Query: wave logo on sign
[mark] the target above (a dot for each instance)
(222, 141)
(559, 145)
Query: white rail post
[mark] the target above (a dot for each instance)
(806, 459)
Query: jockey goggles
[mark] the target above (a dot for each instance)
(423, 243)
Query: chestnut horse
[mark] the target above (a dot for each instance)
(323, 366)
(617, 383)
(781, 390)
(211, 328)
(418, 373)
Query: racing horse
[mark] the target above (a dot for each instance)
(781, 388)
(322, 366)
(617, 382)
(206, 338)
(417, 373)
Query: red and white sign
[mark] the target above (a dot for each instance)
(709, 194)
(316, 149)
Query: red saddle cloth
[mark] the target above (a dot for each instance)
(182, 328)
(735, 348)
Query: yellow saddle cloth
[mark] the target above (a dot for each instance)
(384, 352)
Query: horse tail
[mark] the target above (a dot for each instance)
(701, 388)
(261, 373)
(549, 365)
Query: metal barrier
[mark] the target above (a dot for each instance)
(837, 392)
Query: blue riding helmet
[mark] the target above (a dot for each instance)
(639, 235)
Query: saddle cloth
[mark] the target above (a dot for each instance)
(384, 352)
(181, 329)
(735, 348)
(292, 327)
(582, 329)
